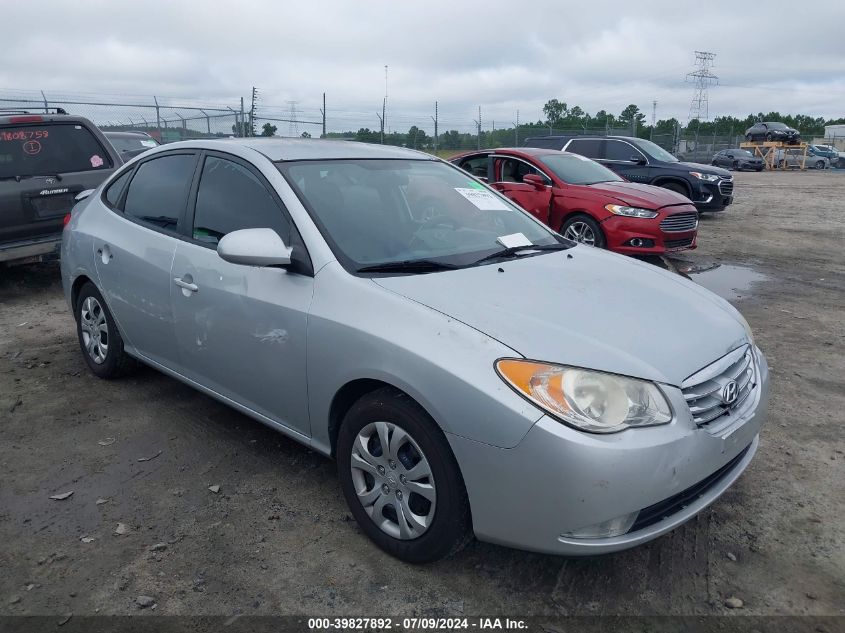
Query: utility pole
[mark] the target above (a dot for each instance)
(434, 118)
(653, 118)
(516, 130)
(384, 106)
(381, 124)
(252, 112)
(242, 124)
(323, 112)
(478, 124)
(158, 119)
(703, 78)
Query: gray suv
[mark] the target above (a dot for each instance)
(46, 160)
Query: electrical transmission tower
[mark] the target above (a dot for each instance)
(293, 122)
(252, 109)
(703, 78)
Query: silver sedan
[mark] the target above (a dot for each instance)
(471, 371)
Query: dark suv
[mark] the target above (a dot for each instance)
(639, 160)
(45, 161)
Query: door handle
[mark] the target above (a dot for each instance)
(186, 285)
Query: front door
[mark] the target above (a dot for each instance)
(508, 173)
(241, 329)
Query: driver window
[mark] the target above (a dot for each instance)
(230, 197)
(513, 170)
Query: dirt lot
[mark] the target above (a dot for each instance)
(277, 538)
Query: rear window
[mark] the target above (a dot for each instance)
(49, 149)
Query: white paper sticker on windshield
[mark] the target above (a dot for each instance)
(514, 240)
(148, 143)
(483, 200)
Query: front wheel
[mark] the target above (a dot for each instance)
(584, 230)
(819, 164)
(749, 138)
(99, 340)
(401, 480)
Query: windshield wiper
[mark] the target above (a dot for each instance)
(513, 251)
(409, 265)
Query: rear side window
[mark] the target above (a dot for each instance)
(619, 150)
(116, 188)
(49, 149)
(589, 147)
(159, 190)
(231, 197)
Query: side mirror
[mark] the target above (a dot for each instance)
(535, 180)
(83, 194)
(254, 247)
(637, 160)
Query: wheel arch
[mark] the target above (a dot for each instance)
(80, 281)
(661, 182)
(352, 392)
(575, 212)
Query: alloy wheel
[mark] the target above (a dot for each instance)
(393, 480)
(95, 330)
(580, 232)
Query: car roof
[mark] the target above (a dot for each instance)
(516, 151)
(122, 134)
(284, 149)
(9, 118)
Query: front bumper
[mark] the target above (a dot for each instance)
(713, 196)
(622, 233)
(558, 480)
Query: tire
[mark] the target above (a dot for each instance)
(94, 322)
(735, 165)
(676, 187)
(819, 164)
(769, 136)
(583, 229)
(441, 524)
(749, 138)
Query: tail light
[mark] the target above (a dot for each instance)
(66, 220)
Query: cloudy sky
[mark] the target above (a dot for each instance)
(503, 56)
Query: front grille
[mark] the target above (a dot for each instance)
(704, 391)
(680, 222)
(677, 243)
(664, 509)
(726, 186)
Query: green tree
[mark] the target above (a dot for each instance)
(555, 111)
(268, 129)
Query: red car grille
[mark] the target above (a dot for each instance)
(680, 222)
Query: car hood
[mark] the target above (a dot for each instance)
(635, 195)
(705, 169)
(587, 308)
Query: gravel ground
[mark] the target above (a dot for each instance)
(140, 455)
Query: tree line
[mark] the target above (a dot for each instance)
(561, 118)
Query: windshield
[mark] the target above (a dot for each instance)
(655, 151)
(741, 152)
(131, 143)
(577, 170)
(399, 211)
(49, 149)
(777, 126)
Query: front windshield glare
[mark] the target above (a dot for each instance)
(389, 211)
(577, 170)
(656, 151)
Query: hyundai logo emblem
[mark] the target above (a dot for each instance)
(730, 392)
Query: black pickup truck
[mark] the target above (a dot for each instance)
(46, 160)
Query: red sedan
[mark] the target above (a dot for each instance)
(587, 202)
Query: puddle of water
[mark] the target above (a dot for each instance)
(727, 281)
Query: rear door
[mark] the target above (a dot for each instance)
(43, 165)
(241, 330)
(508, 173)
(134, 249)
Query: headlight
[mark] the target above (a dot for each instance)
(748, 331)
(631, 212)
(705, 177)
(588, 400)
